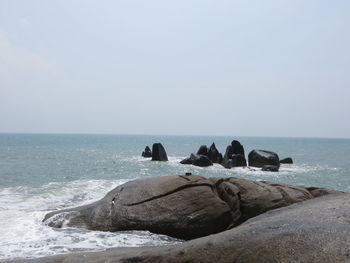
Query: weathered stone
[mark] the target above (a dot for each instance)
(197, 160)
(213, 154)
(287, 160)
(259, 158)
(147, 153)
(203, 150)
(315, 230)
(158, 152)
(183, 206)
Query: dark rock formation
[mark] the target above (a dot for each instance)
(237, 147)
(234, 155)
(236, 160)
(203, 150)
(213, 154)
(147, 153)
(158, 152)
(315, 230)
(197, 160)
(270, 168)
(260, 158)
(182, 206)
(287, 160)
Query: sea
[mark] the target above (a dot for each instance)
(40, 173)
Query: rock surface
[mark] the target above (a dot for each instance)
(184, 207)
(270, 168)
(147, 153)
(260, 158)
(315, 230)
(158, 152)
(287, 160)
(197, 160)
(203, 150)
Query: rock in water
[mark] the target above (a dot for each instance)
(287, 160)
(182, 206)
(197, 160)
(237, 148)
(270, 168)
(213, 154)
(203, 150)
(147, 153)
(260, 158)
(158, 152)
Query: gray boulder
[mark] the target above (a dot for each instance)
(158, 152)
(260, 158)
(315, 230)
(184, 207)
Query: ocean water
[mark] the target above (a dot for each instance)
(40, 173)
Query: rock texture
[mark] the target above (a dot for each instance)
(316, 230)
(147, 153)
(197, 160)
(287, 160)
(260, 158)
(184, 207)
(158, 152)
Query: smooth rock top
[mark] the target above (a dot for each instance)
(260, 158)
(185, 206)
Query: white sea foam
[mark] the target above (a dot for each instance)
(23, 235)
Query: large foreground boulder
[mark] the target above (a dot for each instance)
(315, 230)
(260, 158)
(158, 152)
(185, 206)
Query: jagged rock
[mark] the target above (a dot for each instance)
(182, 206)
(220, 158)
(203, 150)
(213, 154)
(315, 230)
(270, 168)
(147, 153)
(158, 152)
(287, 160)
(197, 160)
(260, 158)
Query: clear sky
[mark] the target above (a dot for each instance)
(238, 68)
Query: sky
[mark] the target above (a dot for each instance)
(181, 67)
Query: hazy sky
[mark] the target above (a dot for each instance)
(254, 68)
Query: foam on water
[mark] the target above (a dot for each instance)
(23, 235)
(43, 173)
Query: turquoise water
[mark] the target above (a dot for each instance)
(41, 173)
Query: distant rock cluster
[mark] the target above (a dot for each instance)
(234, 157)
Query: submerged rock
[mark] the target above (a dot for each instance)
(147, 153)
(185, 206)
(260, 158)
(158, 152)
